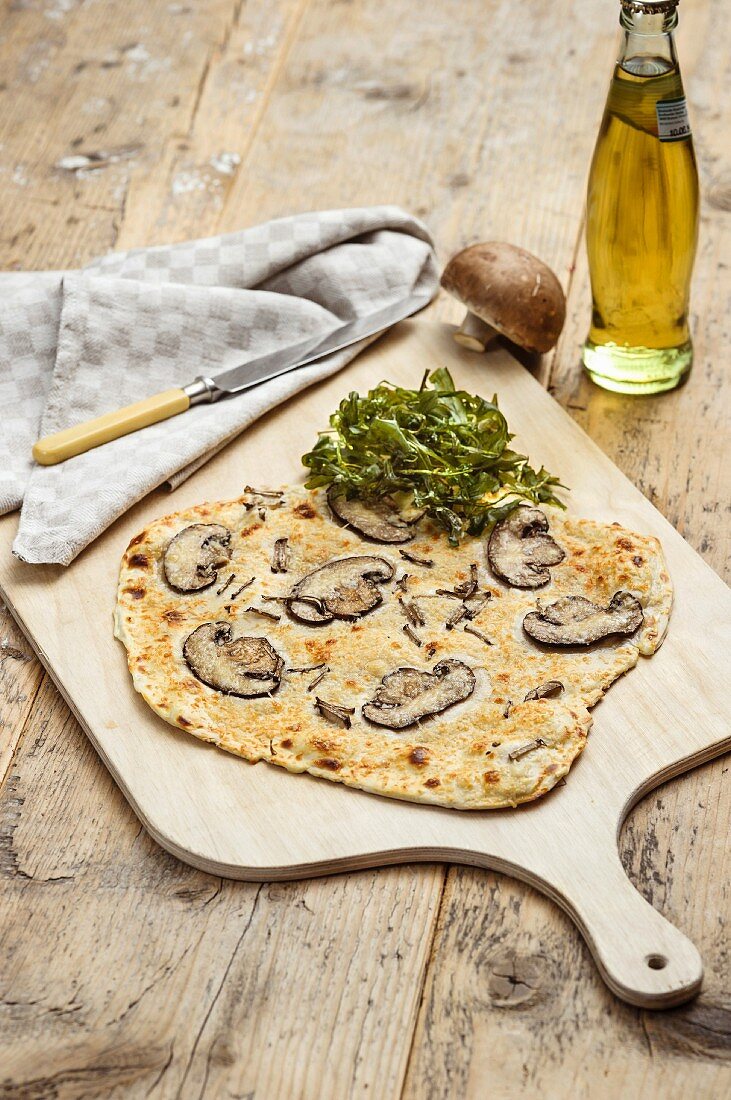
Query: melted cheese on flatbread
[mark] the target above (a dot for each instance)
(472, 755)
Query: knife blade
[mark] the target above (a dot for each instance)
(265, 367)
(93, 433)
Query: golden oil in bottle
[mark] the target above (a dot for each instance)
(642, 214)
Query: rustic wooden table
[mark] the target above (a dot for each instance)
(126, 973)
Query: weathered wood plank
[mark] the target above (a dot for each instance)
(89, 93)
(456, 114)
(513, 1005)
(20, 679)
(126, 971)
(88, 82)
(550, 1027)
(438, 113)
(186, 194)
(372, 930)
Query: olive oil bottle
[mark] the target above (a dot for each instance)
(642, 213)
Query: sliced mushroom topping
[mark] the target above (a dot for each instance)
(280, 556)
(341, 589)
(549, 690)
(407, 695)
(334, 712)
(242, 587)
(520, 549)
(528, 746)
(412, 611)
(246, 666)
(195, 554)
(415, 559)
(477, 634)
(319, 678)
(574, 620)
(264, 614)
(226, 583)
(274, 493)
(379, 520)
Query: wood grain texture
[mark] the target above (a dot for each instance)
(585, 1044)
(261, 823)
(20, 679)
(473, 157)
(159, 979)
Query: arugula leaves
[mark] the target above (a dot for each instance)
(441, 449)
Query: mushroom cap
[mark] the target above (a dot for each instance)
(378, 520)
(341, 589)
(245, 666)
(574, 620)
(549, 690)
(511, 290)
(194, 555)
(520, 549)
(407, 694)
(280, 556)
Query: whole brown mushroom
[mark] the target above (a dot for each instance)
(507, 291)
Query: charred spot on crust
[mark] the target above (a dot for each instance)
(286, 744)
(136, 540)
(574, 620)
(323, 746)
(491, 777)
(193, 557)
(329, 763)
(247, 666)
(305, 510)
(136, 593)
(183, 721)
(433, 782)
(139, 561)
(419, 756)
(173, 616)
(520, 550)
(407, 695)
(320, 651)
(340, 589)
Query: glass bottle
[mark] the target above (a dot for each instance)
(642, 213)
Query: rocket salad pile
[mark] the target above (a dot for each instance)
(437, 449)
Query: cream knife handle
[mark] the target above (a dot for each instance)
(82, 437)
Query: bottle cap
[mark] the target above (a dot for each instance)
(649, 7)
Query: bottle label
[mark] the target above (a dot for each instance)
(672, 119)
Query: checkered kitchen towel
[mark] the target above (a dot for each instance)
(77, 344)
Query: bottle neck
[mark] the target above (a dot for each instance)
(648, 46)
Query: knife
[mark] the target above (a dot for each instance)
(82, 437)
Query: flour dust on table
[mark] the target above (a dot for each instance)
(355, 643)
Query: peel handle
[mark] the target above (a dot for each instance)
(82, 437)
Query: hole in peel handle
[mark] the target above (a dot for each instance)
(643, 958)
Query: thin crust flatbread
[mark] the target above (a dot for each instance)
(489, 750)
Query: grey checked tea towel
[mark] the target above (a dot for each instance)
(76, 344)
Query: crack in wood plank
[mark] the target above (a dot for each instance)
(217, 994)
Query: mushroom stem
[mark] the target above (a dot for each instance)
(474, 334)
